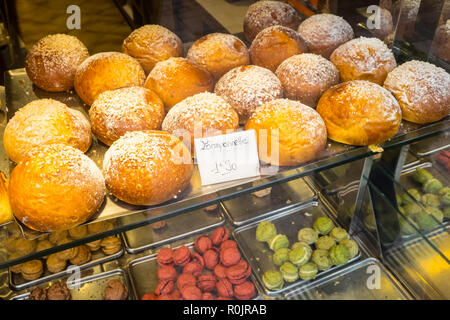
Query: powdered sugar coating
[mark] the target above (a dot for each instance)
(45, 121)
(147, 167)
(117, 111)
(263, 14)
(422, 89)
(364, 59)
(359, 113)
(325, 32)
(150, 44)
(106, 71)
(219, 53)
(201, 115)
(306, 76)
(246, 88)
(52, 62)
(299, 129)
(56, 187)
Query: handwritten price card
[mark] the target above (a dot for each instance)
(227, 157)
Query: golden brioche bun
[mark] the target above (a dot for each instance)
(325, 32)
(219, 53)
(275, 44)
(55, 187)
(422, 89)
(364, 59)
(106, 71)
(52, 62)
(263, 14)
(288, 132)
(45, 121)
(359, 113)
(202, 115)
(246, 88)
(152, 43)
(306, 76)
(147, 167)
(117, 111)
(178, 78)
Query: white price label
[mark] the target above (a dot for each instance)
(227, 157)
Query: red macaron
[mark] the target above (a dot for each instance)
(193, 268)
(207, 296)
(165, 287)
(202, 243)
(195, 257)
(220, 271)
(191, 293)
(206, 282)
(228, 244)
(224, 288)
(181, 256)
(230, 256)
(149, 296)
(167, 273)
(211, 257)
(239, 273)
(219, 235)
(186, 279)
(244, 291)
(165, 257)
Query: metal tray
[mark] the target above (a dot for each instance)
(249, 207)
(178, 227)
(92, 286)
(431, 145)
(143, 276)
(423, 270)
(258, 253)
(17, 282)
(354, 283)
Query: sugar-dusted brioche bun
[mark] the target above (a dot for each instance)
(422, 89)
(218, 53)
(147, 167)
(364, 59)
(55, 187)
(325, 32)
(275, 44)
(359, 113)
(441, 42)
(246, 88)
(306, 76)
(117, 111)
(52, 62)
(106, 71)
(178, 78)
(205, 114)
(288, 132)
(263, 14)
(152, 43)
(45, 121)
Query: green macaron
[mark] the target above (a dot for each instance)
(279, 241)
(299, 256)
(339, 255)
(265, 231)
(322, 259)
(289, 272)
(308, 235)
(325, 243)
(273, 280)
(281, 256)
(308, 271)
(323, 225)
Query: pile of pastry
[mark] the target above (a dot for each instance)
(18, 247)
(318, 249)
(215, 270)
(296, 85)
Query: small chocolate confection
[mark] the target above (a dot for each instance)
(58, 291)
(38, 294)
(115, 290)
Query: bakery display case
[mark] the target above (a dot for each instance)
(380, 180)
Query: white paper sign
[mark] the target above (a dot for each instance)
(227, 157)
